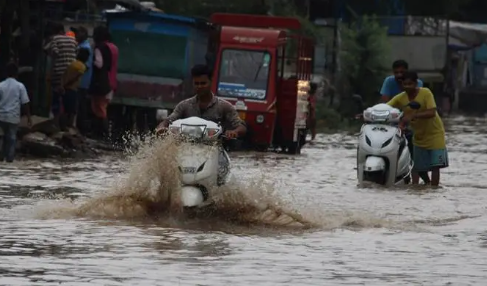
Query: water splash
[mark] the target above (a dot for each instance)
(151, 189)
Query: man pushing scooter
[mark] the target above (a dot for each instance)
(391, 87)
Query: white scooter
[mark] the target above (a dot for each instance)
(203, 163)
(383, 156)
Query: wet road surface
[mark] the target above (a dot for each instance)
(365, 236)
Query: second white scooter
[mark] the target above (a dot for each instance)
(383, 156)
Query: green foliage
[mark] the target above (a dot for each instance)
(288, 9)
(329, 120)
(363, 59)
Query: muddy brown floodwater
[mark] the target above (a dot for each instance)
(283, 221)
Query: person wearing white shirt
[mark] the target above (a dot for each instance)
(13, 97)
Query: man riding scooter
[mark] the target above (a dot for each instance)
(209, 107)
(391, 87)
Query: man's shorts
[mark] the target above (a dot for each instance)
(425, 160)
(70, 101)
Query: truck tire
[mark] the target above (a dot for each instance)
(295, 148)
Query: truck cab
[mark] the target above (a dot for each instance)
(264, 70)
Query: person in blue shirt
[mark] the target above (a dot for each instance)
(84, 106)
(392, 85)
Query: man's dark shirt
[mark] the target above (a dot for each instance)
(218, 111)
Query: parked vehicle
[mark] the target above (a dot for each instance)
(382, 153)
(259, 65)
(157, 52)
(264, 70)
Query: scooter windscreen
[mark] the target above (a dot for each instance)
(194, 132)
(382, 113)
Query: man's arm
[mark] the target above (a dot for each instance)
(233, 120)
(430, 111)
(176, 114)
(394, 102)
(52, 47)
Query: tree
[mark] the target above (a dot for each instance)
(362, 61)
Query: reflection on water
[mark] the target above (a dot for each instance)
(304, 222)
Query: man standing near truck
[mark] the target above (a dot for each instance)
(62, 49)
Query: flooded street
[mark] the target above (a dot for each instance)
(361, 236)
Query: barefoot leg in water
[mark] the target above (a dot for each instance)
(425, 177)
(435, 177)
(415, 177)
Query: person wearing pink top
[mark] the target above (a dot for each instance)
(101, 86)
(113, 69)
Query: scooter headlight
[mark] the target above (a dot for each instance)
(193, 131)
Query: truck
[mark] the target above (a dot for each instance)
(261, 64)
(157, 51)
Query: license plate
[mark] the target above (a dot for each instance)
(241, 114)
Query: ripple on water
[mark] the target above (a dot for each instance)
(370, 236)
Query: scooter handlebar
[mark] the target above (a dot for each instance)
(227, 138)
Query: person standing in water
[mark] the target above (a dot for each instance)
(392, 84)
(100, 88)
(62, 49)
(313, 88)
(70, 83)
(430, 153)
(13, 97)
